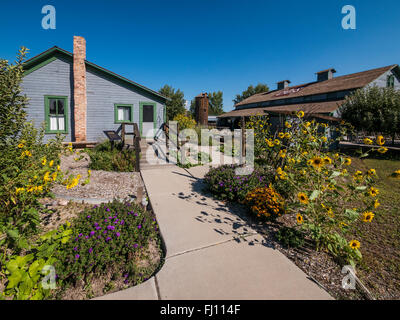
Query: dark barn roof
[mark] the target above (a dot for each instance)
(346, 82)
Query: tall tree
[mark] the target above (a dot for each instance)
(216, 103)
(251, 90)
(176, 104)
(374, 110)
(12, 101)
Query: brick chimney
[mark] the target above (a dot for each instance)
(325, 74)
(283, 84)
(80, 101)
(201, 111)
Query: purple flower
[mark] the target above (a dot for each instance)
(90, 250)
(139, 226)
(89, 216)
(86, 237)
(95, 206)
(117, 234)
(108, 238)
(80, 235)
(105, 231)
(98, 228)
(77, 256)
(135, 245)
(96, 224)
(92, 233)
(122, 222)
(126, 281)
(107, 209)
(75, 248)
(110, 227)
(135, 214)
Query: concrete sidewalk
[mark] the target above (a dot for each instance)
(211, 252)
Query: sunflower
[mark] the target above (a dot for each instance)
(371, 172)
(44, 161)
(354, 244)
(317, 162)
(303, 197)
(368, 141)
(282, 153)
(288, 135)
(380, 141)
(300, 114)
(288, 125)
(376, 203)
(324, 139)
(307, 124)
(299, 218)
(327, 160)
(373, 192)
(21, 145)
(368, 216)
(281, 135)
(277, 142)
(382, 150)
(347, 161)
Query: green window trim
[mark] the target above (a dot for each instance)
(116, 106)
(390, 81)
(141, 104)
(47, 113)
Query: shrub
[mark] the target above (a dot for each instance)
(265, 202)
(324, 192)
(102, 157)
(196, 159)
(107, 237)
(225, 184)
(28, 170)
(185, 122)
(25, 273)
(290, 237)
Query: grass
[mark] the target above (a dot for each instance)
(380, 239)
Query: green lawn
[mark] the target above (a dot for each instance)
(380, 239)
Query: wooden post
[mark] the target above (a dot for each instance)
(123, 134)
(243, 125)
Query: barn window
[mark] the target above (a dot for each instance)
(56, 113)
(390, 81)
(123, 113)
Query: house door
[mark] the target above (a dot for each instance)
(148, 118)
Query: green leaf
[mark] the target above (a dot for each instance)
(14, 279)
(362, 188)
(314, 194)
(34, 268)
(351, 214)
(12, 234)
(335, 174)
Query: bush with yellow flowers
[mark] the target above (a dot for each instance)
(28, 169)
(185, 122)
(265, 202)
(323, 191)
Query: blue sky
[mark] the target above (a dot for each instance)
(210, 45)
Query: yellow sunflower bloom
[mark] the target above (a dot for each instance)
(368, 216)
(371, 172)
(299, 218)
(347, 161)
(327, 160)
(368, 141)
(373, 192)
(376, 204)
(317, 162)
(380, 140)
(382, 150)
(288, 125)
(303, 197)
(281, 135)
(300, 114)
(354, 244)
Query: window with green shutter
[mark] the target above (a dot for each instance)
(56, 114)
(390, 81)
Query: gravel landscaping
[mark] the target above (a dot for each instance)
(103, 184)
